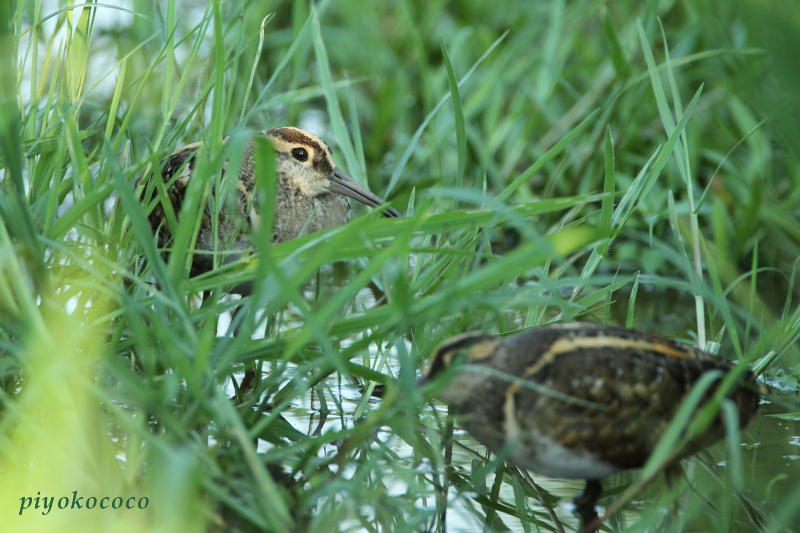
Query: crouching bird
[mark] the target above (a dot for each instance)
(311, 195)
(577, 400)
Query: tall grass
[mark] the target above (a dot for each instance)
(631, 163)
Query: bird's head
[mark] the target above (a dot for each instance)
(465, 349)
(305, 163)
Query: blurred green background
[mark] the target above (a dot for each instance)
(496, 127)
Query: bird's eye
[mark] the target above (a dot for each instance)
(301, 154)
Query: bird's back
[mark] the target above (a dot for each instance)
(591, 399)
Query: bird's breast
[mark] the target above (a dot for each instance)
(297, 214)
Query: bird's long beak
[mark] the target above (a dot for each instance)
(341, 183)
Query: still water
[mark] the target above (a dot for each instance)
(770, 451)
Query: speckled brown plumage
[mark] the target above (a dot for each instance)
(578, 400)
(311, 195)
(616, 391)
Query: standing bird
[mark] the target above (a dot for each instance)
(311, 195)
(577, 400)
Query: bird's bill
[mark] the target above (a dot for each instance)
(344, 185)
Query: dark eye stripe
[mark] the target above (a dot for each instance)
(440, 359)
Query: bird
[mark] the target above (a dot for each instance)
(311, 195)
(576, 400)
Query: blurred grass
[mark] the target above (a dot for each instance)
(498, 131)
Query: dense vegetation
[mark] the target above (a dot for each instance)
(626, 162)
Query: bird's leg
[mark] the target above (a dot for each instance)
(585, 505)
(249, 380)
(673, 473)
